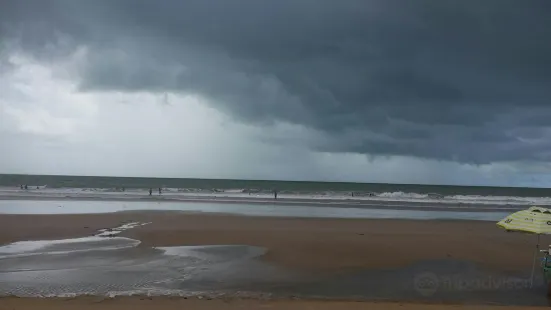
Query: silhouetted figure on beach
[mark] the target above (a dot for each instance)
(160, 190)
(352, 194)
(26, 187)
(150, 191)
(21, 186)
(275, 193)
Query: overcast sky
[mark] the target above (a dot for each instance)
(441, 91)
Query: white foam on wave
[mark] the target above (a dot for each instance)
(190, 193)
(462, 199)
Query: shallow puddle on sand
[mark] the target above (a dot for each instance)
(116, 265)
(119, 266)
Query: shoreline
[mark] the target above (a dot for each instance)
(335, 203)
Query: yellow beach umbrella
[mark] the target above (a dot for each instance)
(534, 220)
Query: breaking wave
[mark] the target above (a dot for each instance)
(185, 193)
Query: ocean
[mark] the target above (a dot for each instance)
(283, 187)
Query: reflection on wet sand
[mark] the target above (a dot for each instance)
(432, 281)
(98, 265)
(119, 266)
(106, 264)
(244, 209)
(434, 261)
(102, 265)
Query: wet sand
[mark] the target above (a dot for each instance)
(353, 259)
(304, 244)
(138, 303)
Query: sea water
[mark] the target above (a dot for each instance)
(245, 209)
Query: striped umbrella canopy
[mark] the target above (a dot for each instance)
(534, 220)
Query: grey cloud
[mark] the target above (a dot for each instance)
(454, 80)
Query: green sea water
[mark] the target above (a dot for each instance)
(59, 181)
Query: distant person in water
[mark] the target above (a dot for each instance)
(21, 186)
(26, 187)
(275, 193)
(160, 190)
(150, 191)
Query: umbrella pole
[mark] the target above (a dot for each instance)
(534, 261)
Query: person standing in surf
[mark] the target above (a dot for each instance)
(150, 191)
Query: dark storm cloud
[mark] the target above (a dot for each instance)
(453, 80)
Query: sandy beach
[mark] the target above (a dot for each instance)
(319, 244)
(138, 303)
(335, 252)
